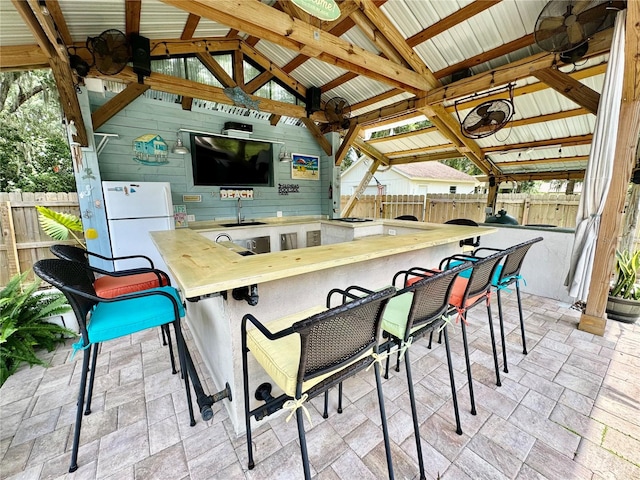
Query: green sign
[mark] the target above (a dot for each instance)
(322, 9)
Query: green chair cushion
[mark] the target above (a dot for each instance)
(111, 320)
(394, 319)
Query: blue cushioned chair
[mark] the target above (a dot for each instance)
(420, 308)
(111, 284)
(508, 273)
(103, 319)
(309, 352)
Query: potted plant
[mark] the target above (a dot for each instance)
(624, 295)
(25, 326)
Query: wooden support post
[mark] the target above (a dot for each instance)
(9, 235)
(594, 318)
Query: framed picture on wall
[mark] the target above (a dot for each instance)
(305, 167)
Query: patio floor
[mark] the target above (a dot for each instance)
(569, 409)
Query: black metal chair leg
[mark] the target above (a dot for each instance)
(164, 336)
(502, 339)
(73, 466)
(303, 444)
(386, 368)
(247, 414)
(325, 413)
(452, 380)
(182, 357)
(524, 339)
(430, 339)
(468, 362)
(340, 397)
(168, 334)
(383, 416)
(414, 414)
(493, 346)
(92, 376)
(398, 360)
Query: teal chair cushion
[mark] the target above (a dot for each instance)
(495, 282)
(111, 320)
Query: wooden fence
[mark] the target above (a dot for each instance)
(550, 209)
(23, 241)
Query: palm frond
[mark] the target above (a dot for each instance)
(58, 225)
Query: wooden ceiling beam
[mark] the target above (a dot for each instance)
(399, 136)
(370, 151)
(258, 82)
(132, 16)
(273, 69)
(540, 161)
(570, 88)
(190, 27)
(268, 23)
(452, 20)
(511, 72)
(22, 57)
(564, 142)
(378, 98)
(549, 117)
(216, 70)
(347, 141)
(526, 177)
(492, 54)
(117, 104)
(429, 157)
(318, 135)
(419, 151)
(58, 19)
(376, 37)
(397, 41)
(179, 86)
(48, 27)
(61, 72)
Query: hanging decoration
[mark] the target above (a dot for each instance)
(327, 10)
(240, 98)
(150, 149)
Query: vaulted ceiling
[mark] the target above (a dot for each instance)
(391, 60)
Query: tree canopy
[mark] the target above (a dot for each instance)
(34, 153)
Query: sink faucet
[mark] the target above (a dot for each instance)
(239, 211)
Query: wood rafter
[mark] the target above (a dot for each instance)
(58, 19)
(427, 157)
(419, 151)
(22, 57)
(317, 134)
(452, 20)
(216, 70)
(570, 88)
(268, 23)
(48, 27)
(117, 103)
(370, 151)
(132, 16)
(61, 72)
(541, 161)
(563, 142)
(347, 141)
(525, 177)
(399, 136)
(190, 27)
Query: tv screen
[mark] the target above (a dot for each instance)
(226, 161)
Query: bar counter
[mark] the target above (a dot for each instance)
(201, 266)
(211, 275)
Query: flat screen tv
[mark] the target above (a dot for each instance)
(223, 161)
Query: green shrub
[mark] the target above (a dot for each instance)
(23, 329)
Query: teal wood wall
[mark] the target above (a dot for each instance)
(145, 115)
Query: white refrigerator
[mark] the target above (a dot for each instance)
(133, 210)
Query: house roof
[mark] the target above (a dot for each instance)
(389, 59)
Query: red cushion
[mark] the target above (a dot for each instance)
(109, 287)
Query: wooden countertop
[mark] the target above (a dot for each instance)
(202, 266)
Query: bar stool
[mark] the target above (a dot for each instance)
(102, 319)
(112, 284)
(507, 274)
(470, 292)
(309, 352)
(421, 307)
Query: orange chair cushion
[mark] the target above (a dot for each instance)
(457, 291)
(109, 287)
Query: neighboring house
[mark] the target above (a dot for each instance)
(408, 179)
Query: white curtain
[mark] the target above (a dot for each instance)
(599, 169)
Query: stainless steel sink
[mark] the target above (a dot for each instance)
(243, 224)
